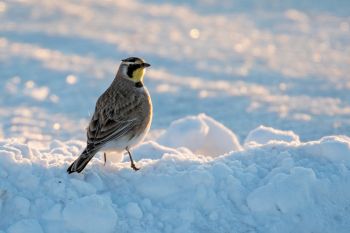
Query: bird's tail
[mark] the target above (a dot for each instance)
(80, 163)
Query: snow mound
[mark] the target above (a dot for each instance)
(264, 135)
(334, 148)
(202, 135)
(272, 187)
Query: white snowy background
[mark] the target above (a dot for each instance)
(251, 116)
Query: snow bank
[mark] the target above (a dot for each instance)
(202, 135)
(269, 187)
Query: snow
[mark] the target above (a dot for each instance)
(263, 135)
(205, 130)
(133, 210)
(251, 116)
(26, 225)
(284, 193)
(91, 213)
(268, 187)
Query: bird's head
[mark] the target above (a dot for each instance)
(133, 68)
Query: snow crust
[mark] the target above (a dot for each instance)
(203, 181)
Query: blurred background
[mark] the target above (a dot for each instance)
(283, 64)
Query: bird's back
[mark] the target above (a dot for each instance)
(122, 107)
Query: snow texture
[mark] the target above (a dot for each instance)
(273, 74)
(267, 187)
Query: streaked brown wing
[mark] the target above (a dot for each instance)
(112, 121)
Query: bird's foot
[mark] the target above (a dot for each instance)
(131, 160)
(134, 167)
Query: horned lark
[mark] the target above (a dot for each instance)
(122, 116)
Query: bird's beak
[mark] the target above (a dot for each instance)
(145, 65)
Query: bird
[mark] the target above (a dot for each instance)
(122, 116)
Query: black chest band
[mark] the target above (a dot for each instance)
(139, 84)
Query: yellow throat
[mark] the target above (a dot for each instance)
(137, 75)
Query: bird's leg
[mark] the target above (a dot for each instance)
(131, 160)
(104, 158)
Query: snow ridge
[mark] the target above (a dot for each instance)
(274, 185)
